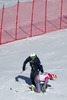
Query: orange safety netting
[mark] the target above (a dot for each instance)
(27, 19)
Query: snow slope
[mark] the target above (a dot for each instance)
(51, 48)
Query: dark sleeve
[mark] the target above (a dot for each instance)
(40, 66)
(25, 62)
(41, 69)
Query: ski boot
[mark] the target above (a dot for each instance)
(32, 87)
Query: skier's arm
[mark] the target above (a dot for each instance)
(41, 69)
(25, 62)
(40, 66)
(24, 65)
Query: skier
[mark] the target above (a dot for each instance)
(43, 79)
(35, 64)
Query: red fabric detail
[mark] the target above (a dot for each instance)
(47, 78)
(50, 76)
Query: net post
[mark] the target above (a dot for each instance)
(1, 27)
(32, 18)
(61, 14)
(17, 20)
(45, 14)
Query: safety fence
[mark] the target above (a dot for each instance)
(28, 19)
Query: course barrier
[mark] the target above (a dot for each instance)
(28, 19)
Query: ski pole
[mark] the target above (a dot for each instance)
(21, 72)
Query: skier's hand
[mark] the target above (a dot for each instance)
(23, 69)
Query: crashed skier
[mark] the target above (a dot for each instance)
(43, 79)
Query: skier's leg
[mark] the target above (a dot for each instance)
(32, 78)
(45, 85)
(38, 88)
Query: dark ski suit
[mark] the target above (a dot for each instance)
(35, 67)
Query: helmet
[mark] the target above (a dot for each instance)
(33, 55)
(53, 76)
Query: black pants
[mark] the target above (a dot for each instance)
(33, 75)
